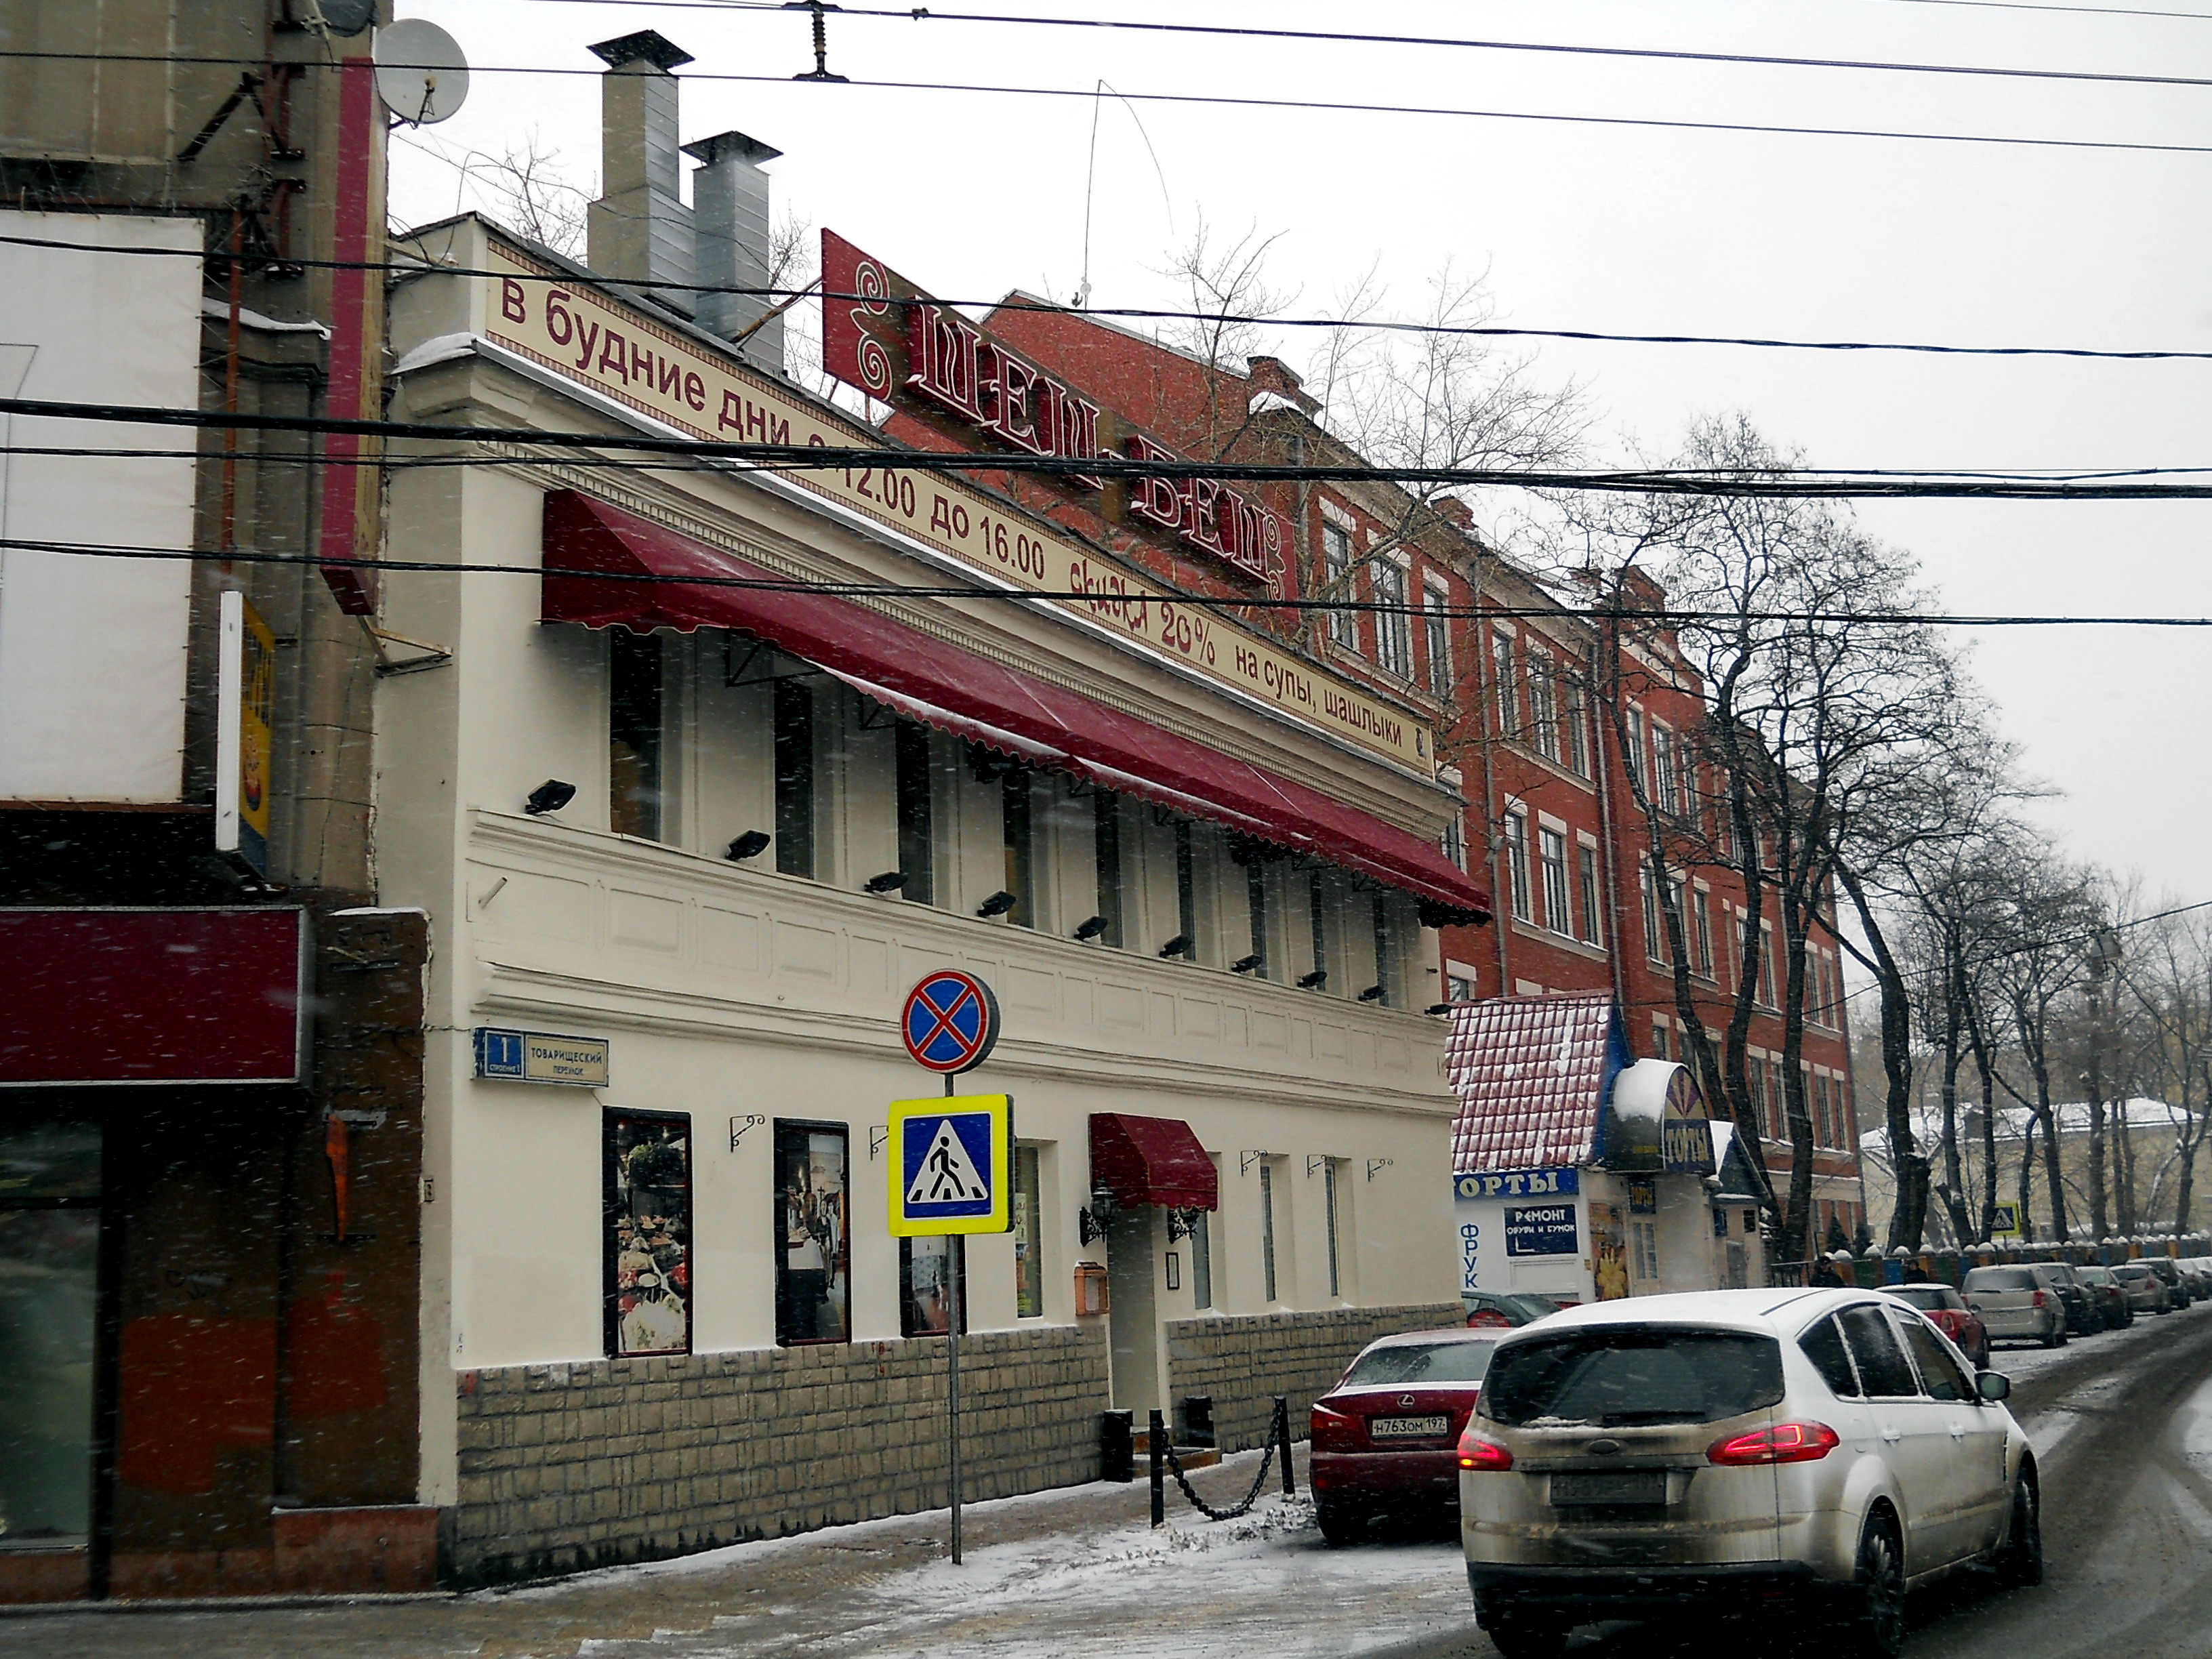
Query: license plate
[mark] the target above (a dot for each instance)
(1630, 1486)
(1408, 1428)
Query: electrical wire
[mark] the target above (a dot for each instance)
(1019, 303)
(800, 457)
(1221, 602)
(411, 463)
(1227, 101)
(1336, 36)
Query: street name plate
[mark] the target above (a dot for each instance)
(541, 1057)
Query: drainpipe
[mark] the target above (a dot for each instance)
(1501, 894)
(1601, 764)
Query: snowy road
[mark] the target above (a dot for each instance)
(2123, 1424)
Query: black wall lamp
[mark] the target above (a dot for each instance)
(1090, 927)
(890, 881)
(1437, 1008)
(549, 796)
(997, 905)
(1245, 964)
(1372, 994)
(1090, 1223)
(1178, 946)
(1314, 981)
(751, 845)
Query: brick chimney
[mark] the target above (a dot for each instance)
(1273, 374)
(730, 225)
(640, 229)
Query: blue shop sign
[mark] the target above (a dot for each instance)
(1518, 1183)
(1541, 1229)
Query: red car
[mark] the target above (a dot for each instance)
(1948, 1312)
(1385, 1438)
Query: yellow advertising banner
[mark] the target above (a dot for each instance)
(584, 337)
(257, 717)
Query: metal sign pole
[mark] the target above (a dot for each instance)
(956, 1265)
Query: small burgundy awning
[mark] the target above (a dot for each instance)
(1152, 1160)
(608, 569)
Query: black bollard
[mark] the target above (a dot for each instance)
(1282, 1432)
(1117, 1458)
(1159, 1439)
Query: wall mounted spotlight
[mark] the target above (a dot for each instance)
(1245, 964)
(549, 796)
(997, 905)
(1437, 1008)
(890, 881)
(1314, 981)
(751, 845)
(1178, 946)
(1372, 994)
(1090, 928)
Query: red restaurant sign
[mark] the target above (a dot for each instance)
(129, 996)
(885, 336)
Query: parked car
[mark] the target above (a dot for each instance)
(2176, 1286)
(1785, 1451)
(2146, 1289)
(2108, 1295)
(2201, 1266)
(2083, 1318)
(1947, 1311)
(2014, 1303)
(1500, 1310)
(1383, 1438)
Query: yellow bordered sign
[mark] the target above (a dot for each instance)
(951, 1165)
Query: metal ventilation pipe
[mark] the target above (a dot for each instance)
(731, 228)
(640, 230)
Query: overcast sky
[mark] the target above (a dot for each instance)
(1621, 229)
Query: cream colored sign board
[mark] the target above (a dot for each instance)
(619, 352)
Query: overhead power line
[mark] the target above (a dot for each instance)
(1999, 5)
(1228, 102)
(1081, 596)
(803, 458)
(799, 457)
(1451, 42)
(1161, 313)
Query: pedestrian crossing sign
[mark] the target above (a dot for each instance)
(954, 1167)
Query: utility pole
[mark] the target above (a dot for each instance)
(2099, 1221)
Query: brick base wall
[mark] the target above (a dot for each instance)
(565, 1467)
(1244, 1363)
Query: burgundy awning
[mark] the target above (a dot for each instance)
(1152, 1160)
(608, 569)
(153, 996)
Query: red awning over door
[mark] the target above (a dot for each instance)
(608, 569)
(1152, 1160)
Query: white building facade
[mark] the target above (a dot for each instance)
(692, 826)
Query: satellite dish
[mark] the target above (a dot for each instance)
(419, 72)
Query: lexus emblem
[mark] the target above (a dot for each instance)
(1405, 1400)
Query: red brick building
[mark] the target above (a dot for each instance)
(1510, 675)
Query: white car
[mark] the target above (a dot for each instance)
(1765, 1452)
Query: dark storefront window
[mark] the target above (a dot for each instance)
(1186, 888)
(813, 1249)
(648, 1206)
(925, 1269)
(49, 1324)
(1021, 849)
(633, 734)
(1028, 1237)
(794, 779)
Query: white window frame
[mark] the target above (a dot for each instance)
(1518, 893)
(1337, 562)
(1436, 622)
(1559, 898)
(1390, 583)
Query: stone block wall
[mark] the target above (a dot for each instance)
(1244, 1363)
(565, 1467)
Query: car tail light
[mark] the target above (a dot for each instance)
(1332, 1431)
(1483, 1457)
(2041, 1300)
(1786, 1443)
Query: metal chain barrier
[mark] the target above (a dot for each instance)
(1162, 1454)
